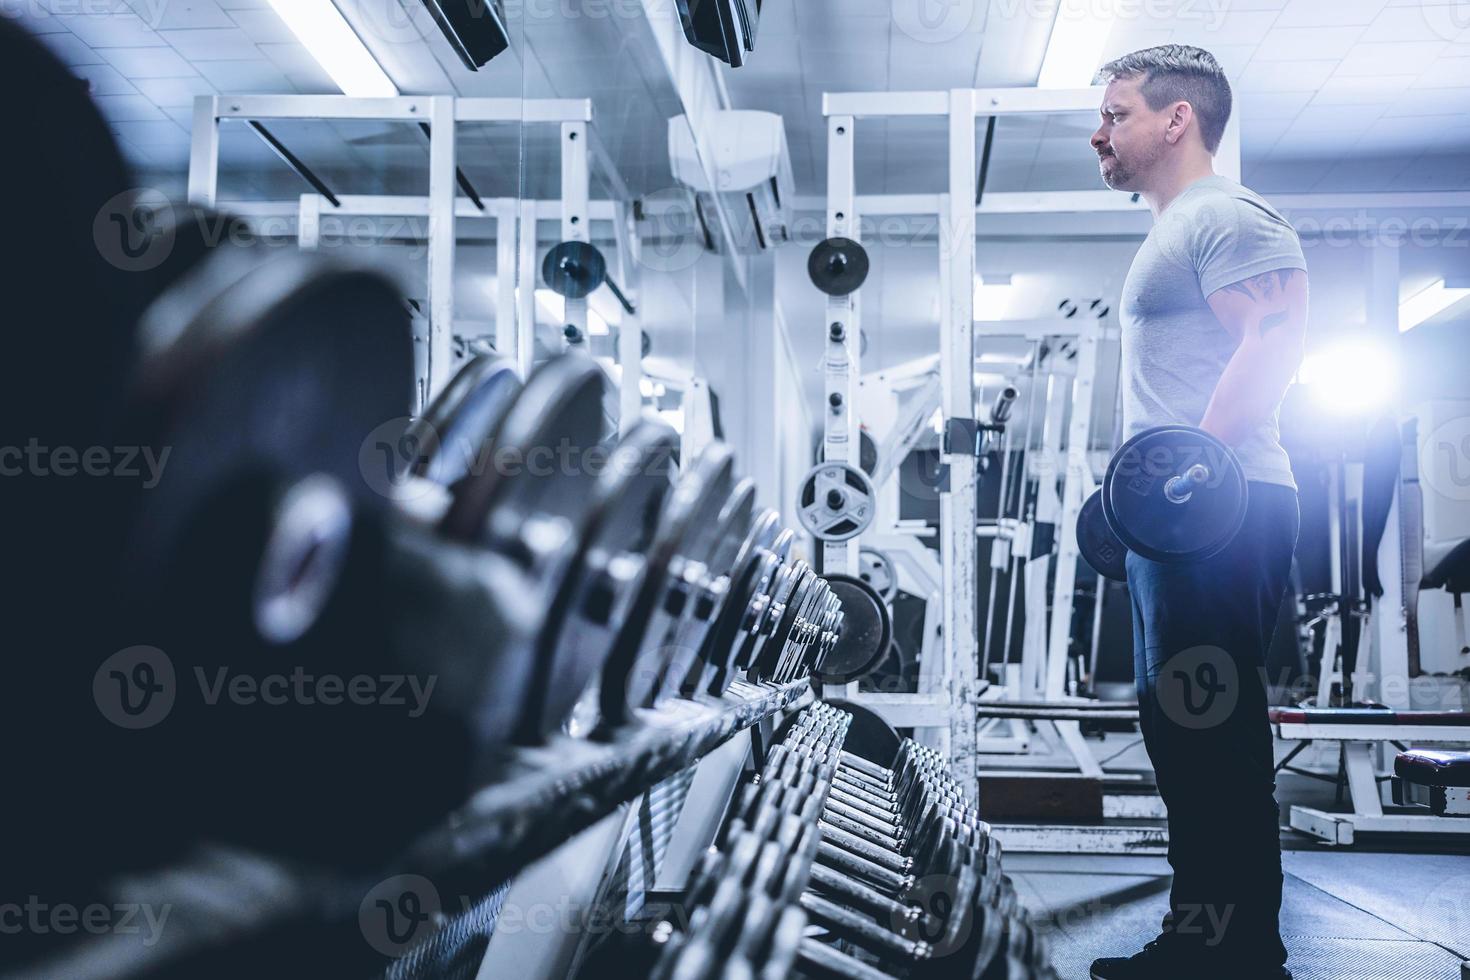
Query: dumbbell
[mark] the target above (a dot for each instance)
(1172, 493)
(892, 930)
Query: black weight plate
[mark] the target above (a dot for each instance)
(866, 632)
(546, 453)
(799, 647)
(590, 605)
(837, 266)
(868, 736)
(574, 269)
(895, 674)
(1097, 542)
(1147, 522)
(686, 667)
(447, 442)
(769, 658)
(633, 669)
(776, 589)
(275, 370)
(722, 644)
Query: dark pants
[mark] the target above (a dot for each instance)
(1200, 635)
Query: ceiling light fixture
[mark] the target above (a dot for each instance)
(325, 33)
(1074, 51)
(1428, 303)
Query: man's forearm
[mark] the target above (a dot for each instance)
(1249, 390)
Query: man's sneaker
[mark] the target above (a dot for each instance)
(1159, 960)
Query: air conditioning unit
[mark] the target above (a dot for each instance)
(722, 28)
(751, 173)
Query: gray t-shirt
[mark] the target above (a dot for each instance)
(1174, 349)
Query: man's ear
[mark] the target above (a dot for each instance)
(1181, 117)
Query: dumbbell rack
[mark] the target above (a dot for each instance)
(804, 878)
(286, 917)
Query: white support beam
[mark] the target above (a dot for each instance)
(525, 289)
(506, 336)
(958, 547)
(575, 182)
(840, 367)
(204, 153)
(478, 110)
(986, 101)
(401, 109)
(442, 190)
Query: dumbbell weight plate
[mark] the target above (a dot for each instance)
(687, 667)
(770, 657)
(1097, 542)
(632, 673)
(450, 439)
(1147, 522)
(274, 370)
(753, 574)
(868, 735)
(573, 269)
(866, 632)
(837, 266)
(593, 600)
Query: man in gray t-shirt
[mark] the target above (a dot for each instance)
(1214, 314)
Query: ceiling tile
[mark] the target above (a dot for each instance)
(1240, 27)
(1361, 174)
(213, 44)
(70, 49)
(1286, 76)
(176, 14)
(1401, 133)
(1431, 102)
(147, 62)
(127, 108)
(262, 26)
(161, 132)
(1336, 118)
(34, 17)
(1406, 24)
(104, 80)
(112, 30)
(1445, 73)
(260, 77)
(1393, 58)
(1272, 105)
(1362, 89)
(1289, 44)
(168, 93)
(1330, 13)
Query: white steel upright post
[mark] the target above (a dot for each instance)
(442, 189)
(575, 224)
(958, 546)
(840, 367)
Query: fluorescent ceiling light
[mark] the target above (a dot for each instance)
(320, 26)
(1428, 303)
(1078, 36)
(1351, 379)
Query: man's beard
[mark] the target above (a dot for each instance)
(1118, 177)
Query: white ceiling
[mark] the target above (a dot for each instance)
(1333, 94)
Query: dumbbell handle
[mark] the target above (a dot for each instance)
(863, 898)
(824, 961)
(862, 930)
(1179, 488)
(858, 866)
(885, 856)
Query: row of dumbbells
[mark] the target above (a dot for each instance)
(891, 871)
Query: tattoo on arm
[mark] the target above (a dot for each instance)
(1268, 285)
(1269, 290)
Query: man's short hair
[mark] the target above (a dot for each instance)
(1179, 73)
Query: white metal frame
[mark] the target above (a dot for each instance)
(1360, 743)
(443, 114)
(958, 546)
